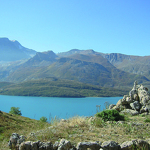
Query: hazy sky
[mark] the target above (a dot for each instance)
(107, 26)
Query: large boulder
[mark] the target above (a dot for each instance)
(90, 145)
(110, 145)
(64, 145)
(15, 140)
(138, 101)
(135, 105)
(130, 111)
(128, 145)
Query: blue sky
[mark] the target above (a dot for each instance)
(107, 26)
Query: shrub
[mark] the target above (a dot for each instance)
(147, 120)
(110, 115)
(43, 119)
(15, 110)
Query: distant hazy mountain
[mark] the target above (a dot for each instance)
(87, 67)
(76, 51)
(13, 50)
(132, 64)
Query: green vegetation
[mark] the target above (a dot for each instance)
(43, 119)
(11, 123)
(75, 129)
(15, 110)
(110, 115)
(53, 87)
(147, 119)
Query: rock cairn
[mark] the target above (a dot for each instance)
(18, 142)
(137, 102)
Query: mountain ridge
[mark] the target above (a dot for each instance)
(12, 50)
(87, 66)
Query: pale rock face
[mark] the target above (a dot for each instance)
(119, 103)
(145, 99)
(135, 105)
(110, 145)
(130, 111)
(136, 97)
(129, 100)
(137, 100)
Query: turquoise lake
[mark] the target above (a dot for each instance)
(36, 107)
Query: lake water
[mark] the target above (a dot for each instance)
(36, 107)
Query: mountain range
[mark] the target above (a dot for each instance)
(87, 66)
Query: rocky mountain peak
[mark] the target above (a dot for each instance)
(12, 50)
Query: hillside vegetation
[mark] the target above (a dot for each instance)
(54, 87)
(75, 129)
(10, 123)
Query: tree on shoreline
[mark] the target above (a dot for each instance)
(15, 110)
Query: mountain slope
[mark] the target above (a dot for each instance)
(132, 64)
(13, 50)
(42, 59)
(89, 68)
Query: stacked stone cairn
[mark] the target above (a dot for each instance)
(137, 102)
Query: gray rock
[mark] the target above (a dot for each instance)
(128, 145)
(64, 145)
(142, 145)
(142, 92)
(135, 105)
(136, 97)
(130, 111)
(25, 146)
(110, 145)
(128, 99)
(145, 99)
(132, 93)
(15, 140)
(111, 106)
(123, 101)
(55, 146)
(45, 146)
(135, 144)
(86, 145)
(143, 109)
(148, 107)
(35, 145)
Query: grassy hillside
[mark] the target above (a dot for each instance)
(76, 129)
(16, 124)
(54, 87)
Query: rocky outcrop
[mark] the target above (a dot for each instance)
(138, 101)
(18, 142)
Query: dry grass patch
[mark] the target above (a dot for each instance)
(75, 129)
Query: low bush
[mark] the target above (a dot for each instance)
(147, 120)
(15, 110)
(43, 119)
(110, 115)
